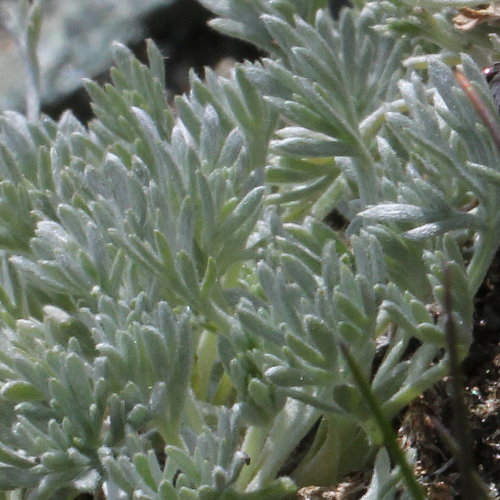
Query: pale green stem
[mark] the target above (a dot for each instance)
(408, 393)
(255, 437)
(206, 355)
(193, 415)
(366, 176)
(290, 426)
(486, 247)
(25, 35)
(171, 435)
(32, 81)
(344, 447)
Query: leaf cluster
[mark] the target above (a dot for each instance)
(175, 313)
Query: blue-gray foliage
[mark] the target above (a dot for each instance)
(172, 305)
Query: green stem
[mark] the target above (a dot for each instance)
(270, 446)
(206, 355)
(384, 424)
(290, 426)
(171, 435)
(407, 394)
(224, 390)
(470, 487)
(366, 176)
(255, 438)
(194, 416)
(340, 447)
(170, 431)
(27, 39)
(486, 247)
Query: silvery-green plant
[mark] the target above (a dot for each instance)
(174, 311)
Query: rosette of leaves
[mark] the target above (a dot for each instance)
(174, 312)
